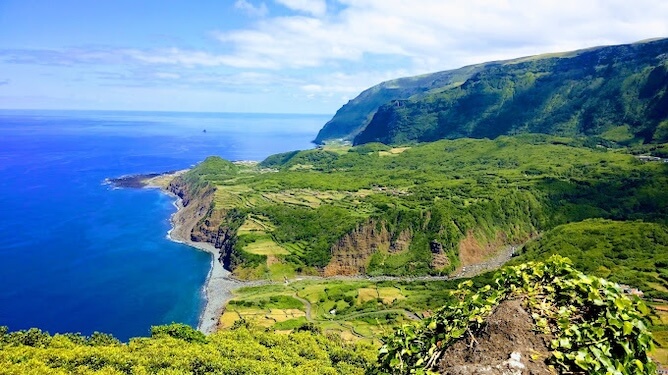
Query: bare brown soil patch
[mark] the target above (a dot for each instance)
(507, 332)
(471, 251)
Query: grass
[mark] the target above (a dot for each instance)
(387, 295)
(660, 333)
(365, 310)
(265, 246)
(393, 151)
(252, 226)
(618, 134)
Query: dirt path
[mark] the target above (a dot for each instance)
(307, 305)
(493, 263)
(407, 313)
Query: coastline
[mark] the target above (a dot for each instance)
(217, 288)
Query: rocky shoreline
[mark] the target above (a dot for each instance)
(137, 181)
(217, 289)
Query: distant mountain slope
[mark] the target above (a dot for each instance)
(356, 114)
(617, 92)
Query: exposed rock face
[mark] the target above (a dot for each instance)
(198, 221)
(208, 229)
(439, 259)
(195, 204)
(506, 345)
(471, 251)
(350, 256)
(403, 242)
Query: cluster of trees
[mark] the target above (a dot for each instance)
(179, 349)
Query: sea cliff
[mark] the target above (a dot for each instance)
(191, 226)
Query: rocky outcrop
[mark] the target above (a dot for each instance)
(350, 256)
(194, 204)
(208, 228)
(402, 242)
(439, 259)
(198, 221)
(507, 345)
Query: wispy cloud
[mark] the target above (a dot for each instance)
(331, 50)
(116, 56)
(313, 7)
(250, 9)
(436, 34)
(4, 82)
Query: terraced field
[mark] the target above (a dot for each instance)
(356, 310)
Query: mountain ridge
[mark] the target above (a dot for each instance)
(613, 86)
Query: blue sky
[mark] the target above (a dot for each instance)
(279, 56)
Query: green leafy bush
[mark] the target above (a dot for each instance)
(597, 329)
(175, 349)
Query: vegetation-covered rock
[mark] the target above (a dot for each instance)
(628, 252)
(594, 327)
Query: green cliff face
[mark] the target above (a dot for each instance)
(353, 117)
(619, 93)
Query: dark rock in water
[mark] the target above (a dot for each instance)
(136, 181)
(507, 344)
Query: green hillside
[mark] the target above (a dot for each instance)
(633, 253)
(356, 114)
(422, 210)
(618, 92)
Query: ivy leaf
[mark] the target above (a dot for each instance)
(628, 328)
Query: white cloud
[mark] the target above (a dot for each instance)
(314, 7)
(167, 75)
(250, 9)
(438, 34)
(330, 54)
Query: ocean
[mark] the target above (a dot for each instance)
(77, 255)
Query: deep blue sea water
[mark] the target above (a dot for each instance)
(79, 256)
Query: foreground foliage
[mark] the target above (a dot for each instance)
(178, 349)
(597, 329)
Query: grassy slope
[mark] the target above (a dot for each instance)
(616, 92)
(510, 187)
(634, 253)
